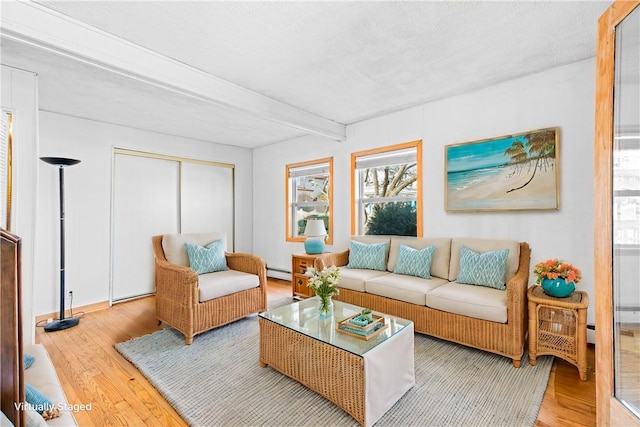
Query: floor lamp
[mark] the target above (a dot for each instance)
(61, 322)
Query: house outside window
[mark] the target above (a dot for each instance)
(387, 190)
(626, 194)
(309, 195)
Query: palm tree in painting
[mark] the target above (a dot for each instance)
(517, 153)
(540, 146)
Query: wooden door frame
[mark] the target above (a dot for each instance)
(609, 411)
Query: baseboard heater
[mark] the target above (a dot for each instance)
(627, 308)
(278, 273)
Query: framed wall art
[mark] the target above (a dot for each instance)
(511, 172)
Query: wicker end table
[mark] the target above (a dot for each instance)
(558, 327)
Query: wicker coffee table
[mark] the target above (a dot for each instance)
(363, 377)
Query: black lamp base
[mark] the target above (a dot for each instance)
(58, 325)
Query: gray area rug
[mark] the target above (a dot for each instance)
(217, 381)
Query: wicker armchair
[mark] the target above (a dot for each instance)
(177, 294)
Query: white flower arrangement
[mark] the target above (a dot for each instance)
(324, 283)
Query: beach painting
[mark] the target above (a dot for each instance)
(511, 172)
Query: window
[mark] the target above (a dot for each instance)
(386, 190)
(626, 192)
(5, 169)
(309, 195)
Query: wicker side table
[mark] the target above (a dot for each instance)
(558, 327)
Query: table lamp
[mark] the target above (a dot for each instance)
(315, 233)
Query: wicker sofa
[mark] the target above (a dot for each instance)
(193, 303)
(477, 316)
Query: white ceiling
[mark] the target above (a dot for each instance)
(341, 61)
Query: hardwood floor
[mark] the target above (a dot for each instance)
(92, 371)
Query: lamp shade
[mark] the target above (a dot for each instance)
(315, 232)
(315, 228)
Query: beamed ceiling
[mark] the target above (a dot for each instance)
(255, 73)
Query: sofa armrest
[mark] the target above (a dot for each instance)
(176, 283)
(339, 259)
(517, 290)
(248, 263)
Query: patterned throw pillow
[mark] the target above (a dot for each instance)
(207, 260)
(414, 262)
(28, 360)
(484, 269)
(40, 403)
(369, 257)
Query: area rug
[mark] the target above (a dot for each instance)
(217, 381)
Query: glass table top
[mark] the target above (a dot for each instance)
(302, 316)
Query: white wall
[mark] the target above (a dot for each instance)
(563, 97)
(88, 201)
(20, 96)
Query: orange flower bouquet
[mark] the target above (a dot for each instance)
(556, 269)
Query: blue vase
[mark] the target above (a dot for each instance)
(558, 287)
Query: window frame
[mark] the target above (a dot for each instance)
(6, 168)
(356, 183)
(289, 197)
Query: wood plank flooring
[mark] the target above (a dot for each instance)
(92, 371)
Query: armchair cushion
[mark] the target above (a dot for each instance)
(207, 259)
(215, 285)
(175, 251)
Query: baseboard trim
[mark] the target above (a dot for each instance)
(85, 309)
(278, 274)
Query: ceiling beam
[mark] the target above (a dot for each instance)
(45, 28)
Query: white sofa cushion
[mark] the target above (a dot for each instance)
(176, 253)
(401, 287)
(439, 260)
(221, 283)
(42, 375)
(479, 302)
(354, 278)
(485, 245)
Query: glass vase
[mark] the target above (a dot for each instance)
(325, 308)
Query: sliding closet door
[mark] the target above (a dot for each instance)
(207, 199)
(146, 201)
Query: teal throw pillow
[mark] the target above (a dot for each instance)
(207, 259)
(28, 360)
(484, 269)
(414, 262)
(37, 400)
(368, 257)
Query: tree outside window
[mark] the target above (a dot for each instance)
(309, 196)
(387, 196)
